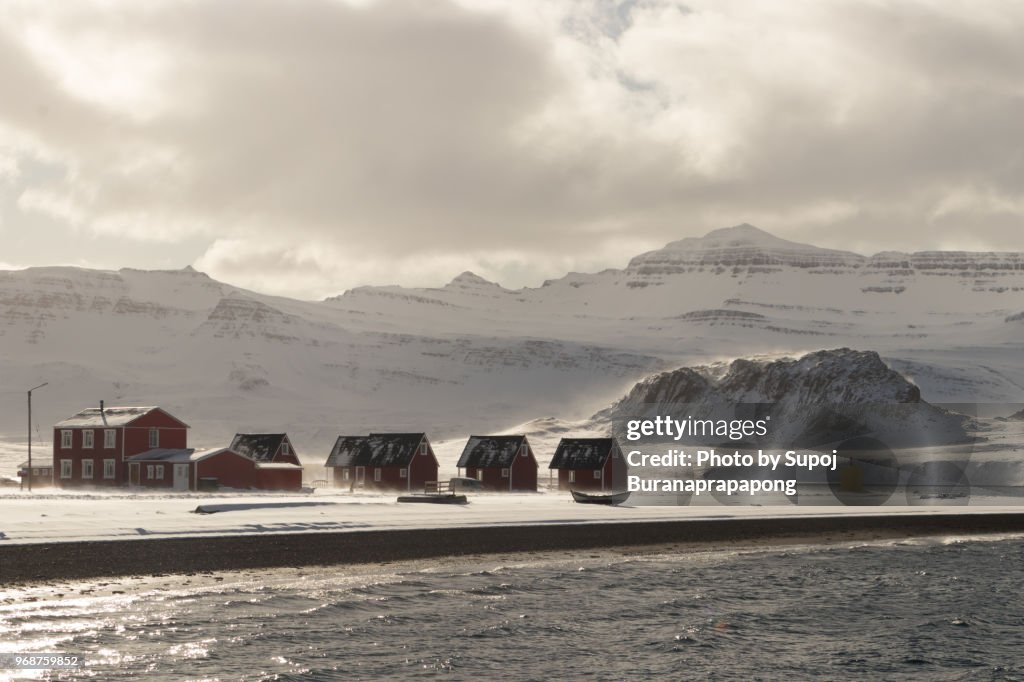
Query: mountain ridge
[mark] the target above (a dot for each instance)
(474, 356)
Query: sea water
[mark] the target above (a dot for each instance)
(948, 609)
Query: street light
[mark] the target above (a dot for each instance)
(30, 432)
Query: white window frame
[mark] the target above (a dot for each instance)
(149, 472)
(376, 475)
(597, 474)
(403, 473)
(479, 474)
(109, 439)
(65, 439)
(88, 466)
(504, 472)
(154, 438)
(526, 451)
(65, 468)
(159, 472)
(284, 449)
(572, 476)
(109, 468)
(344, 474)
(424, 449)
(88, 439)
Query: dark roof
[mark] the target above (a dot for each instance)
(582, 453)
(375, 450)
(346, 450)
(258, 446)
(490, 451)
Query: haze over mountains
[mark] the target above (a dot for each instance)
(473, 356)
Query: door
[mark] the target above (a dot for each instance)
(360, 475)
(181, 476)
(133, 473)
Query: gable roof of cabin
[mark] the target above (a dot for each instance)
(110, 416)
(582, 453)
(258, 446)
(490, 451)
(375, 450)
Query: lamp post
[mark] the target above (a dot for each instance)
(30, 432)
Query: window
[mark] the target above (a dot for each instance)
(154, 438)
(86, 468)
(597, 473)
(424, 449)
(160, 471)
(108, 468)
(35, 472)
(376, 475)
(526, 450)
(149, 471)
(344, 474)
(479, 474)
(109, 438)
(403, 473)
(572, 477)
(284, 448)
(65, 468)
(87, 438)
(504, 473)
(65, 439)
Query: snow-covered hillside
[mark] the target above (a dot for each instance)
(473, 356)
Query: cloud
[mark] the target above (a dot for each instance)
(8, 168)
(413, 139)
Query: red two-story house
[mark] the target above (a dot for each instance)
(91, 447)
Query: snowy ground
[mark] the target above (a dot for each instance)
(61, 517)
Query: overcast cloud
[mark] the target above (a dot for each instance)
(303, 147)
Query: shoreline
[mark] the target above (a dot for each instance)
(46, 562)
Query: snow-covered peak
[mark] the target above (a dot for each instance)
(744, 235)
(469, 280)
(741, 246)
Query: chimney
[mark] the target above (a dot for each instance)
(101, 407)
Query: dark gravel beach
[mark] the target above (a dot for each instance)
(33, 563)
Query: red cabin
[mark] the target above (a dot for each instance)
(589, 464)
(503, 463)
(91, 447)
(188, 469)
(385, 461)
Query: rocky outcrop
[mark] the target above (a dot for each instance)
(823, 397)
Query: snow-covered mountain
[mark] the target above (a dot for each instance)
(473, 356)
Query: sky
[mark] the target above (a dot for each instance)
(303, 147)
